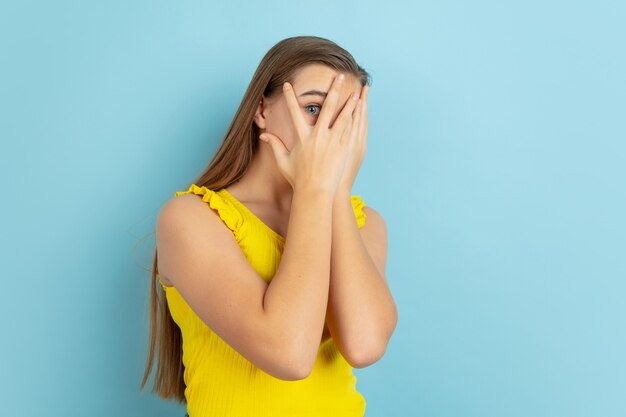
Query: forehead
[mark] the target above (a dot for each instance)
(320, 77)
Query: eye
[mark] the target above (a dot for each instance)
(313, 106)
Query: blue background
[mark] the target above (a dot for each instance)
(496, 154)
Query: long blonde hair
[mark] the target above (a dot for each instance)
(228, 165)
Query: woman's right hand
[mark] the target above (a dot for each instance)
(319, 153)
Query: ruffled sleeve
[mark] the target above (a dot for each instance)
(227, 212)
(357, 205)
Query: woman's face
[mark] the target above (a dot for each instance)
(310, 85)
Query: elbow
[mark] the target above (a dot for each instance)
(306, 364)
(294, 368)
(302, 372)
(294, 374)
(363, 358)
(292, 371)
(300, 365)
(294, 354)
(366, 353)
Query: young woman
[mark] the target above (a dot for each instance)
(272, 284)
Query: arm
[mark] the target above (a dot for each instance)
(361, 313)
(276, 326)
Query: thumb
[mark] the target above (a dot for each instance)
(278, 148)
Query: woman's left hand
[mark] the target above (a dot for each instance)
(357, 143)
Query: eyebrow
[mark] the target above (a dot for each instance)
(314, 93)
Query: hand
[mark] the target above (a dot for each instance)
(357, 144)
(319, 153)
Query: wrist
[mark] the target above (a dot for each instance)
(343, 192)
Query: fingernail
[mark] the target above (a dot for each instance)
(341, 77)
(286, 86)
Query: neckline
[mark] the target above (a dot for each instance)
(254, 216)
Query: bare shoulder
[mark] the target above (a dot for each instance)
(185, 212)
(375, 224)
(182, 202)
(187, 220)
(188, 209)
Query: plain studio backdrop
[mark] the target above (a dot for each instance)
(496, 154)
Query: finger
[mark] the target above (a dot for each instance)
(360, 106)
(357, 120)
(330, 103)
(294, 110)
(345, 117)
(278, 147)
(363, 112)
(351, 131)
(353, 125)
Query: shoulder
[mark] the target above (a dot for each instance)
(374, 235)
(186, 228)
(182, 207)
(189, 214)
(202, 201)
(375, 221)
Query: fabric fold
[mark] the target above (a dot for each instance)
(229, 214)
(358, 204)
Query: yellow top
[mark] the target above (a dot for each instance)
(221, 382)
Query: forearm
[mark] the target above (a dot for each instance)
(296, 298)
(361, 313)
